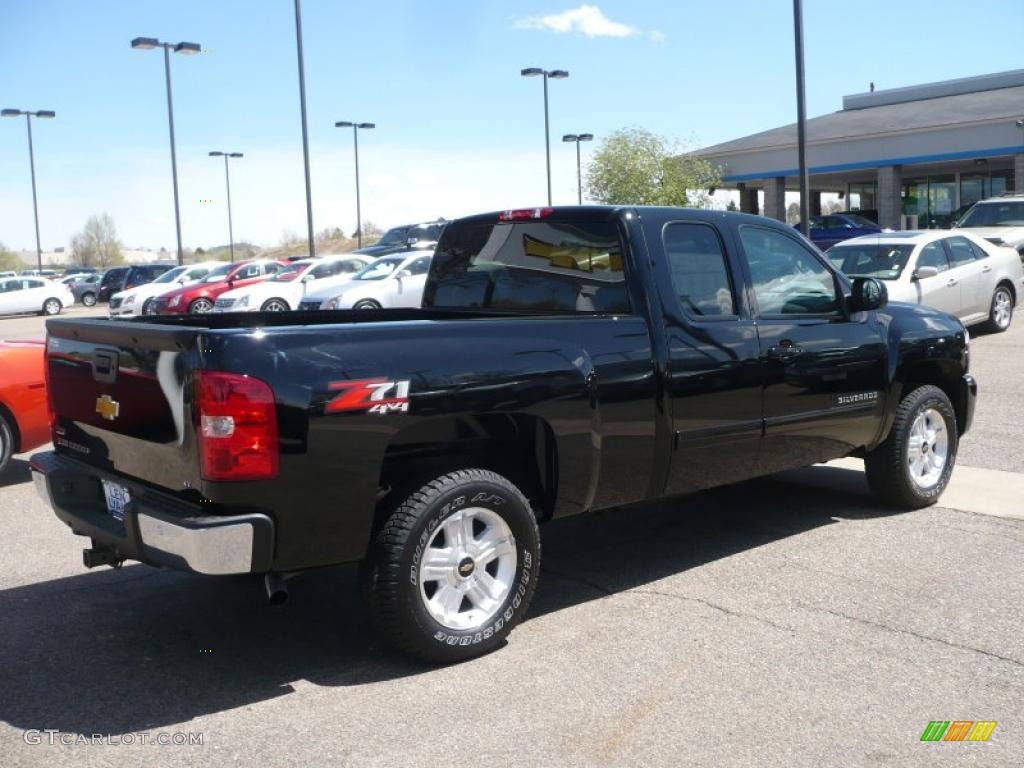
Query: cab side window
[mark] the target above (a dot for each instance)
(787, 277)
(700, 275)
(933, 255)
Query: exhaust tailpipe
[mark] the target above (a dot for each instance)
(277, 590)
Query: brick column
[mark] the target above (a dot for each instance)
(748, 198)
(775, 198)
(890, 205)
(815, 204)
(1018, 174)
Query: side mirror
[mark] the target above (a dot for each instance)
(411, 241)
(868, 294)
(307, 278)
(923, 273)
(403, 273)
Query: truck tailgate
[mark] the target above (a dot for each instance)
(120, 394)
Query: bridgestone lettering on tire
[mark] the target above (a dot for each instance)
(454, 567)
(912, 467)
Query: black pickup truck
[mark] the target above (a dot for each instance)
(564, 360)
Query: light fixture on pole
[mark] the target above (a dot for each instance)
(554, 74)
(577, 138)
(46, 114)
(227, 181)
(187, 49)
(355, 143)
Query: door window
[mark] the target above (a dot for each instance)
(787, 278)
(420, 266)
(933, 255)
(698, 269)
(960, 251)
(34, 284)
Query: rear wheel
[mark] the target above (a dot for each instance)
(51, 307)
(89, 299)
(1001, 312)
(6, 443)
(275, 305)
(454, 568)
(200, 306)
(912, 467)
(367, 304)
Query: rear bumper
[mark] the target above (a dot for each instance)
(968, 398)
(158, 528)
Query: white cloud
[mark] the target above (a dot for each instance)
(657, 37)
(588, 20)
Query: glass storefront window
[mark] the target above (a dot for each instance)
(931, 199)
(862, 196)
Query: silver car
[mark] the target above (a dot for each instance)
(954, 271)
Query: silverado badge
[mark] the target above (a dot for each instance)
(108, 407)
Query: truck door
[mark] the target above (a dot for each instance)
(713, 369)
(824, 370)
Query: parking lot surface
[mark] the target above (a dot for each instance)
(788, 621)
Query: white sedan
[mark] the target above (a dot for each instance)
(33, 294)
(286, 289)
(138, 300)
(953, 271)
(391, 281)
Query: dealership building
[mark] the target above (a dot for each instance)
(910, 157)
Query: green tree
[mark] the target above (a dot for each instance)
(633, 166)
(97, 244)
(9, 262)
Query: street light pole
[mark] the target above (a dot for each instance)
(227, 181)
(305, 129)
(555, 74)
(577, 138)
(44, 113)
(355, 143)
(801, 119)
(148, 43)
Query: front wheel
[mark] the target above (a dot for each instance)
(200, 306)
(367, 304)
(51, 307)
(147, 308)
(6, 443)
(912, 467)
(1001, 312)
(275, 305)
(454, 568)
(89, 299)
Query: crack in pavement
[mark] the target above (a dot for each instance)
(910, 632)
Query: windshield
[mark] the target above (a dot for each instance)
(395, 236)
(1002, 214)
(170, 274)
(380, 269)
(886, 262)
(860, 221)
(219, 273)
(290, 272)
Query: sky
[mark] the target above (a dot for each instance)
(458, 130)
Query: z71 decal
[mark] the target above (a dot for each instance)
(378, 396)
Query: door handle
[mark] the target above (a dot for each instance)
(951, 282)
(784, 352)
(986, 268)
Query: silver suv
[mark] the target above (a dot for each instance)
(1000, 220)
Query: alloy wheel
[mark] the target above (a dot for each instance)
(927, 448)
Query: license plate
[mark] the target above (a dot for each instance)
(117, 497)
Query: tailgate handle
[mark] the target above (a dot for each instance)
(104, 365)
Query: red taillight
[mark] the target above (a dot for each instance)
(236, 424)
(521, 214)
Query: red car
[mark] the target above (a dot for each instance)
(24, 418)
(200, 296)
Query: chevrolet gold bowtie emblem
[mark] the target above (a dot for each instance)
(108, 407)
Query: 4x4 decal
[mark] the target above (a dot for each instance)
(378, 396)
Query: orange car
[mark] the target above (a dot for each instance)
(24, 420)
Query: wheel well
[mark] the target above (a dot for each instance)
(944, 376)
(13, 424)
(520, 447)
(1013, 290)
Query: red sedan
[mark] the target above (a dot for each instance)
(200, 296)
(24, 419)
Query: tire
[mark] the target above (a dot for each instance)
(1000, 313)
(904, 471)
(275, 305)
(88, 299)
(367, 304)
(459, 614)
(147, 308)
(200, 306)
(51, 307)
(6, 443)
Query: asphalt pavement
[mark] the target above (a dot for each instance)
(788, 621)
